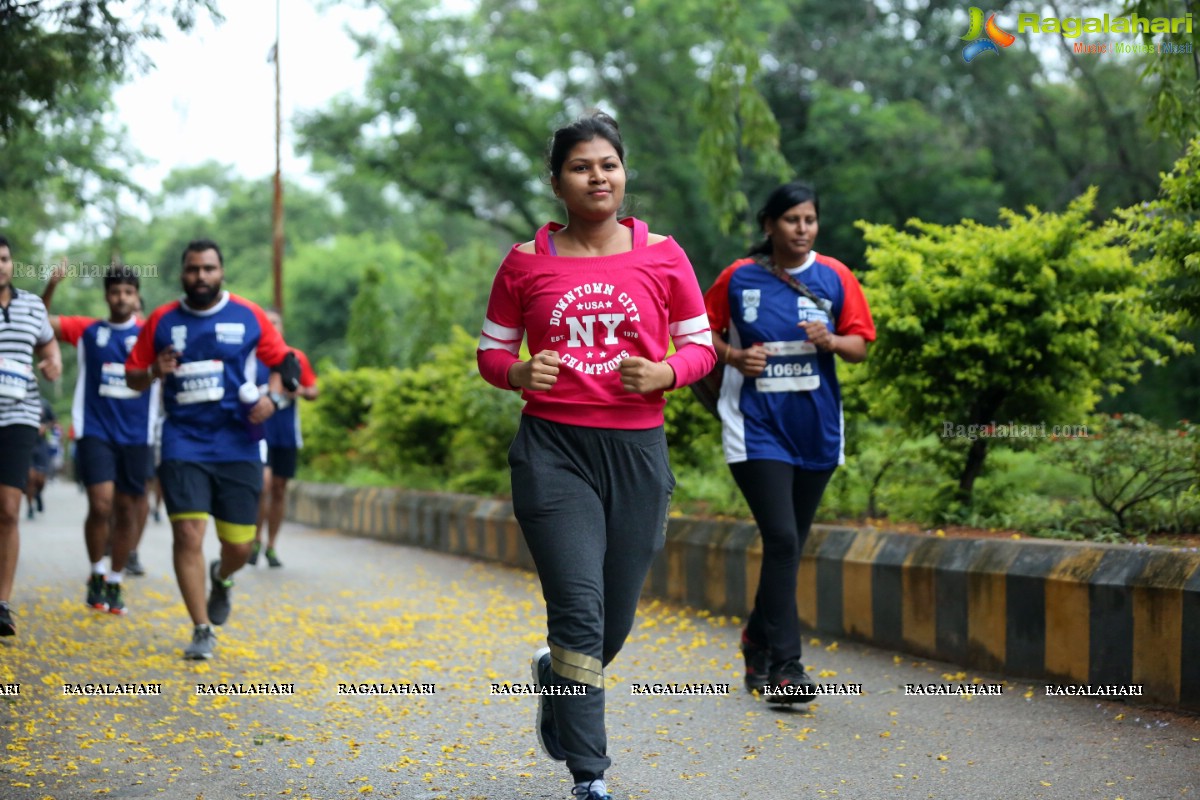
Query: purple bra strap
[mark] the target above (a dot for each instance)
(544, 241)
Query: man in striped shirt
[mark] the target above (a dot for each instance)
(24, 332)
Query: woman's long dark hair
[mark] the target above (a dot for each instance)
(778, 203)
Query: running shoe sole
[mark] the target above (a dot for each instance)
(547, 732)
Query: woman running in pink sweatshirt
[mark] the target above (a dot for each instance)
(599, 300)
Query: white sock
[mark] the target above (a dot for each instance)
(100, 567)
(116, 577)
(597, 785)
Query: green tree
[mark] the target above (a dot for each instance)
(369, 334)
(210, 200)
(1026, 322)
(321, 284)
(61, 149)
(1029, 128)
(71, 159)
(1174, 77)
(1167, 230)
(52, 48)
(518, 72)
(738, 122)
(865, 99)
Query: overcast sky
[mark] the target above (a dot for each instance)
(211, 94)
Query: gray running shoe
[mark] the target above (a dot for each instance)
(547, 729)
(204, 641)
(218, 598)
(133, 565)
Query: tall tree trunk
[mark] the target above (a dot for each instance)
(972, 469)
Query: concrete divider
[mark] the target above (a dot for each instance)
(1063, 612)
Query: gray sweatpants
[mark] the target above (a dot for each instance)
(592, 504)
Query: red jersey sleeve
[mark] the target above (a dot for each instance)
(271, 347)
(855, 319)
(73, 327)
(307, 376)
(716, 300)
(143, 353)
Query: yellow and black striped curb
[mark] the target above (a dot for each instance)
(1085, 614)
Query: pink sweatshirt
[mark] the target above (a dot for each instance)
(595, 312)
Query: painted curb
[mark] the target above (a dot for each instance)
(1064, 612)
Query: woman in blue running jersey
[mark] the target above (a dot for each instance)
(781, 316)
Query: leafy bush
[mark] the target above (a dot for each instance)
(1028, 321)
(1142, 477)
(333, 425)
(435, 426)
(439, 426)
(693, 435)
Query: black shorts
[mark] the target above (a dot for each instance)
(16, 443)
(100, 461)
(282, 461)
(42, 457)
(151, 463)
(227, 490)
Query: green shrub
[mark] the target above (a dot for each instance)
(693, 435)
(1032, 320)
(334, 423)
(1142, 477)
(439, 426)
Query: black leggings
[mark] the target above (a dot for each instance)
(592, 504)
(784, 500)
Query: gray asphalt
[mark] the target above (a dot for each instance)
(347, 610)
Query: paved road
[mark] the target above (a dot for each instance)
(346, 610)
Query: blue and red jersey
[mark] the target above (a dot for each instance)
(283, 427)
(218, 349)
(792, 412)
(104, 406)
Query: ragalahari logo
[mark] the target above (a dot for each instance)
(980, 43)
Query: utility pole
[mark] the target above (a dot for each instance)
(277, 206)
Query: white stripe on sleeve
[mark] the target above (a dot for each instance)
(688, 326)
(702, 338)
(499, 337)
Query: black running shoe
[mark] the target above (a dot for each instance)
(7, 628)
(204, 641)
(547, 729)
(133, 565)
(254, 551)
(218, 598)
(755, 656)
(95, 593)
(589, 792)
(114, 599)
(272, 559)
(789, 683)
